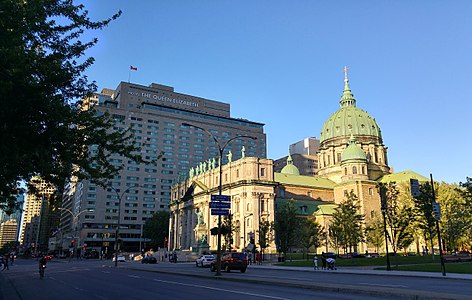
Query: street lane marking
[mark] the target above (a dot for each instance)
(219, 289)
(106, 272)
(134, 276)
(384, 285)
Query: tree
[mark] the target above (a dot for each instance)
(227, 229)
(399, 213)
(286, 223)
(455, 215)
(266, 235)
(466, 193)
(346, 226)
(374, 233)
(157, 228)
(43, 128)
(424, 211)
(309, 234)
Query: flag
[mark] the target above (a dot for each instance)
(133, 68)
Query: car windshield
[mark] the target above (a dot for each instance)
(209, 256)
(238, 255)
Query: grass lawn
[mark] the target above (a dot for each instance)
(405, 263)
(463, 268)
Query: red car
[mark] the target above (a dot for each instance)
(231, 261)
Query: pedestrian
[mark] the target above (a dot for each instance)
(5, 262)
(323, 262)
(315, 262)
(12, 258)
(258, 258)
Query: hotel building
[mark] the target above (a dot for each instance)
(155, 114)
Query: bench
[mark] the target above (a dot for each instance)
(462, 257)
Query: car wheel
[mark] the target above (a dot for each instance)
(243, 270)
(227, 269)
(202, 265)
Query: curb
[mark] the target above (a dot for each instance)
(340, 288)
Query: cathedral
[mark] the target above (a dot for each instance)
(352, 158)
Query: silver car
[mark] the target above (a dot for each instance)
(204, 260)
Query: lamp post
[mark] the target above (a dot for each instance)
(117, 232)
(221, 149)
(75, 219)
(383, 208)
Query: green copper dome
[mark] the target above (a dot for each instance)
(353, 152)
(290, 168)
(349, 119)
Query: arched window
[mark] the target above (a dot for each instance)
(363, 170)
(354, 170)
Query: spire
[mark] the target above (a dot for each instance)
(289, 160)
(347, 99)
(352, 139)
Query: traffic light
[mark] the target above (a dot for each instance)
(72, 243)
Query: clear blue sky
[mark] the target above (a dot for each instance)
(281, 62)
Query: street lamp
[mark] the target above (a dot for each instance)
(220, 188)
(75, 219)
(120, 196)
(383, 208)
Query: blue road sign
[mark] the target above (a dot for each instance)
(221, 198)
(220, 212)
(218, 204)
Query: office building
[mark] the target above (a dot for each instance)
(36, 216)
(154, 114)
(8, 230)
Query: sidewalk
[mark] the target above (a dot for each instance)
(353, 270)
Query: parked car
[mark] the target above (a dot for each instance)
(231, 261)
(373, 254)
(149, 260)
(329, 255)
(91, 254)
(120, 258)
(204, 260)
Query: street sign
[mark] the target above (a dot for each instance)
(414, 187)
(218, 204)
(220, 212)
(221, 198)
(436, 211)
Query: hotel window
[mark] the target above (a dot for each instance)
(354, 170)
(169, 130)
(262, 171)
(169, 124)
(237, 173)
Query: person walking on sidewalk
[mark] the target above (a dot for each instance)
(5, 262)
(315, 262)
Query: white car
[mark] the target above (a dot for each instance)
(120, 258)
(204, 260)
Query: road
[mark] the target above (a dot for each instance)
(100, 280)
